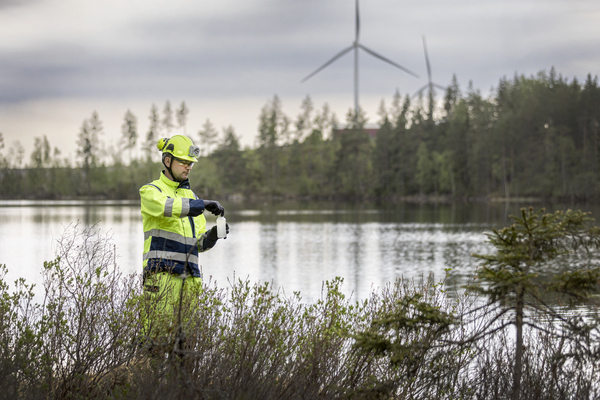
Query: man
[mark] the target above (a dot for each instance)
(174, 232)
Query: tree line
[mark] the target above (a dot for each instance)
(531, 136)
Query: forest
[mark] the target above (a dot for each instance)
(535, 136)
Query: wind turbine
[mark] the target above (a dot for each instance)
(356, 46)
(429, 84)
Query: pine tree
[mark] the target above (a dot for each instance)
(97, 130)
(41, 155)
(3, 160)
(396, 108)
(510, 277)
(129, 132)
(273, 127)
(452, 96)
(39, 177)
(17, 152)
(403, 145)
(382, 112)
(425, 170)
(353, 159)
(89, 150)
(304, 120)
(208, 137)
(229, 160)
(182, 113)
(167, 121)
(383, 158)
(323, 121)
(153, 133)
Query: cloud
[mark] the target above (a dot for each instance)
(116, 54)
(4, 4)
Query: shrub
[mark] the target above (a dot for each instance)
(409, 340)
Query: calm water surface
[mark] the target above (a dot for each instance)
(294, 246)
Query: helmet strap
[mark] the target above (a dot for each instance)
(165, 155)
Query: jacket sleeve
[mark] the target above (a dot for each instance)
(155, 203)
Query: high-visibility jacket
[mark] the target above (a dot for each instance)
(174, 227)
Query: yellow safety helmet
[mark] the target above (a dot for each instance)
(180, 147)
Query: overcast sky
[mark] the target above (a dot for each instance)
(62, 59)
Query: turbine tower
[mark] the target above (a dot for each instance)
(430, 84)
(356, 46)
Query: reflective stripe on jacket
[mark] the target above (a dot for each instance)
(174, 227)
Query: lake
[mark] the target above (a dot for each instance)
(293, 245)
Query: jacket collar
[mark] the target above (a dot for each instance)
(176, 185)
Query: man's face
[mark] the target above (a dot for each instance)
(180, 168)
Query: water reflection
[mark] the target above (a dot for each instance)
(267, 239)
(295, 246)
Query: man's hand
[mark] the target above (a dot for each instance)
(214, 207)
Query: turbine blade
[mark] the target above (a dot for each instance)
(371, 52)
(440, 86)
(338, 55)
(418, 92)
(427, 59)
(357, 22)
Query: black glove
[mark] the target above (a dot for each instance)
(214, 207)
